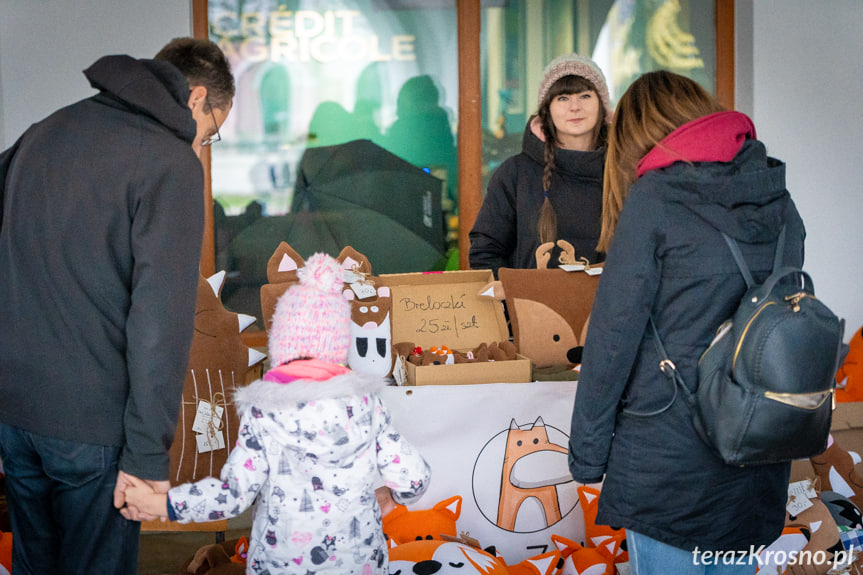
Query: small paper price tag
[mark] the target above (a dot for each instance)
(210, 441)
(203, 416)
(572, 267)
(594, 271)
(350, 277)
(799, 496)
(363, 291)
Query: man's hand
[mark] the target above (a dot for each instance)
(133, 513)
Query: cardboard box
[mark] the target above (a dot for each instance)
(847, 431)
(445, 308)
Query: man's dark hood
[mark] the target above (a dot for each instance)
(155, 88)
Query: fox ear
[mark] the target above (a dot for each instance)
(216, 281)
(493, 290)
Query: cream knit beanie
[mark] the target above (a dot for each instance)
(575, 65)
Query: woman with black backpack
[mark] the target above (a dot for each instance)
(680, 171)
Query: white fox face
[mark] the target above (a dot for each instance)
(371, 335)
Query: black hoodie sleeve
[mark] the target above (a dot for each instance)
(494, 234)
(5, 162)
(166, 242)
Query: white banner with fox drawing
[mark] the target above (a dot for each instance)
(503, 449)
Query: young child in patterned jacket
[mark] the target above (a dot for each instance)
(315, 439)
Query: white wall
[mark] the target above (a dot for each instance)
(801, 79)
(46, 44)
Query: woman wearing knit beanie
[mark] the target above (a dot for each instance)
(552, 190)
(314, 438)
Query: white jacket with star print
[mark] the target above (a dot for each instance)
(311, 453)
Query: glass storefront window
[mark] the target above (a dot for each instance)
(312, 79)
(344, 126)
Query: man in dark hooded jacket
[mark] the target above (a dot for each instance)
(100, 238)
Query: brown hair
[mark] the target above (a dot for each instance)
(547, 224)
(203, 63)
(655, 105)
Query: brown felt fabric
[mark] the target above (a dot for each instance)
(548, 310)
(218, 363)
(279, 282)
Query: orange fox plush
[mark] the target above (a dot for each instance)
(578, 560)
(402, 525)
(444, 558)
(849, 378)
(5, 553)
(596, 535)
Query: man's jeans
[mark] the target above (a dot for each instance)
(61, 506)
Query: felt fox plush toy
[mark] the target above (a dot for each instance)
(578, 560)
(444, 558)
(849, 377)
(597, 535)
(835, 470)
(549, 311)
(402, 525)
(774, 557)
(282, 273)
(218, 364)
(371, 350)
(5, 553)
(822, 534)
(544, 564)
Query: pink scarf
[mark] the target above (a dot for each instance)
(716, 137)
(313, 369)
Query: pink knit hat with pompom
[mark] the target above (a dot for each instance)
(312, 319)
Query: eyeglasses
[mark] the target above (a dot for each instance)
(217, 137)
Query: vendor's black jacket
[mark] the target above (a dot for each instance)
(669, 260)
(505, 232)
(100, 238)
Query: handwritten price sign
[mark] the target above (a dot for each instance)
(451, 314)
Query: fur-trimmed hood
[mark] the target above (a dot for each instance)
(331, 420)
(273, 395)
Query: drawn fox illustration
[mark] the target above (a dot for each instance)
(522, 445)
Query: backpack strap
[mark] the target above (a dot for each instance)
(667, 367)
(741, 263)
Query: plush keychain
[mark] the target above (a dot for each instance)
(371, 351)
